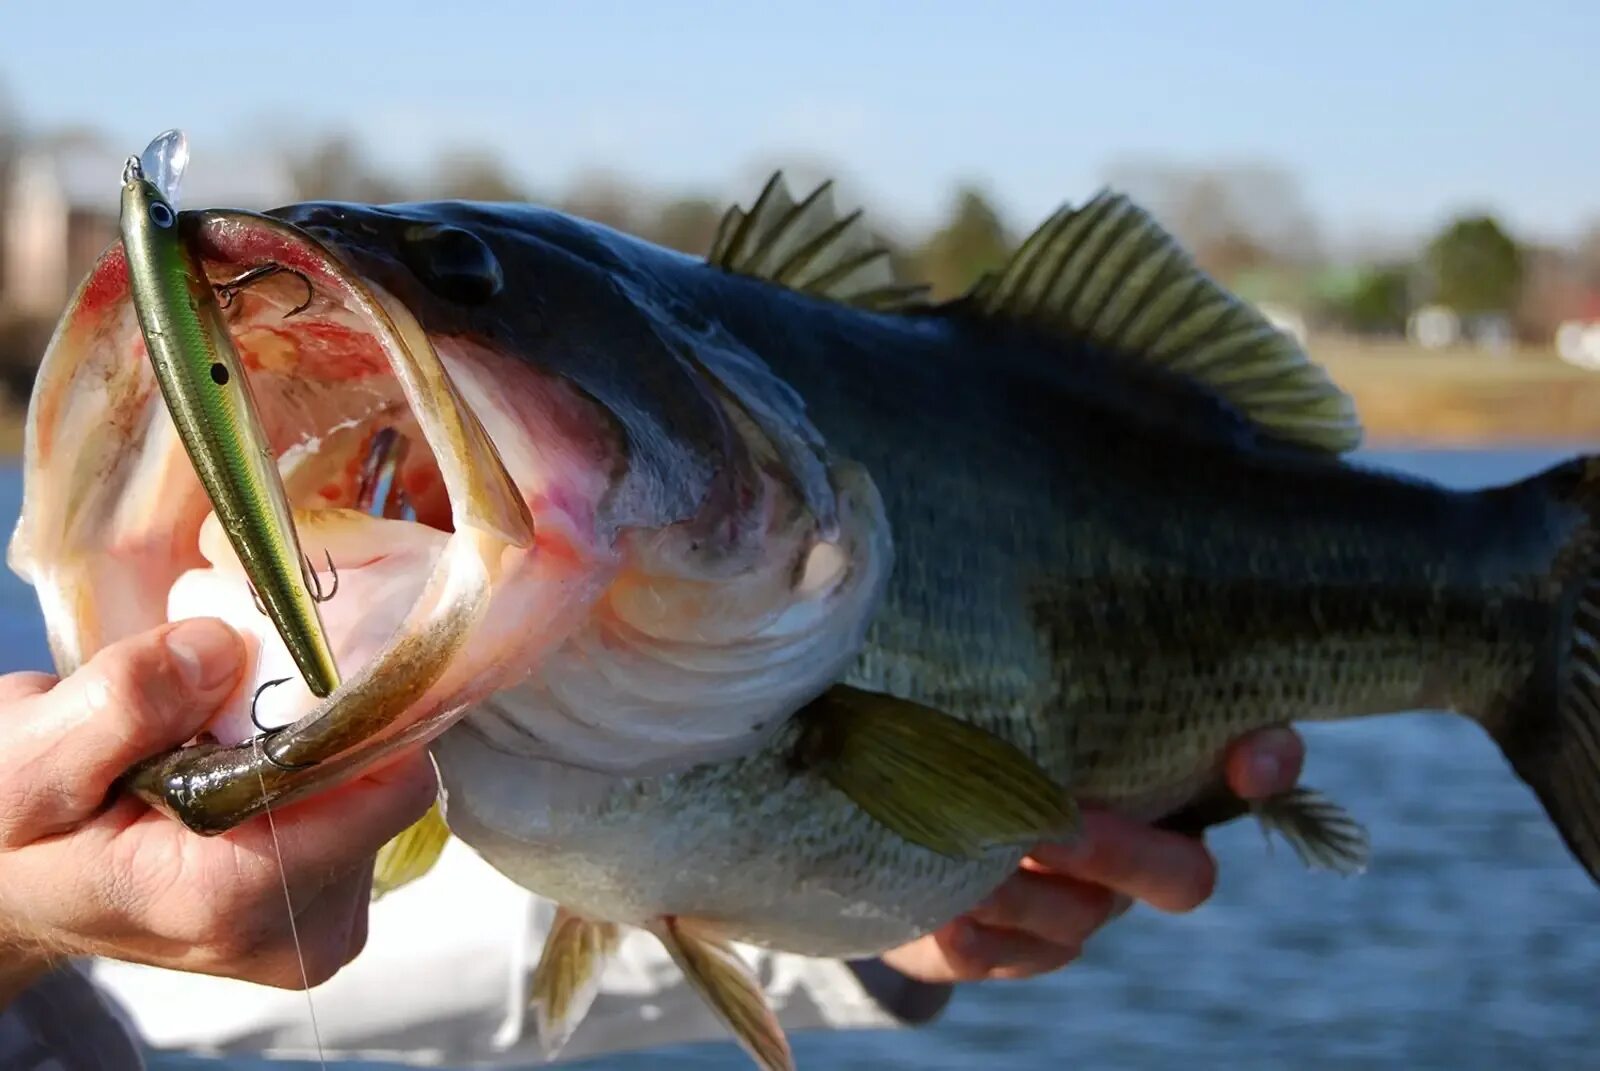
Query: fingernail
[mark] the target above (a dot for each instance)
(1265, 767)
(206, 652)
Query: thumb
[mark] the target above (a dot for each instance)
(62, 749)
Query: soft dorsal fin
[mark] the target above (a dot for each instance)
(1108, 273)
(808, 246)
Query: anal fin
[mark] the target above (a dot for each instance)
(730, 987)
(411, 854)
(567, 978)
(1322, 833)
(935, 780)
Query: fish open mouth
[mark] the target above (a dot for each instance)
(397, 488)
(625, 559)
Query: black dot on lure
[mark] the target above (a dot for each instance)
(219, 374)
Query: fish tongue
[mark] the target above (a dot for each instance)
(381, 567)
(349, 538)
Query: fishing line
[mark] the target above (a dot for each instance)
(294, 928)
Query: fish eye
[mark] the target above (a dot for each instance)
(219, 374)
(454, 263)
(160, 214)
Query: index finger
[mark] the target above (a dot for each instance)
(1168, 871)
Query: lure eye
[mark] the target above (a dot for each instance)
(160, 214)
(219, 374)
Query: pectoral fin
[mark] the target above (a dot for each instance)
(568, 975)
(937, 781)
(1321, 832)
(411, 854)
(730, 987)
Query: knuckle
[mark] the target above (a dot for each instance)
(131, 685)
(980, 954)
(1052, 960)
(970, 968)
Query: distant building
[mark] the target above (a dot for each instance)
(1577, 338)
(59, 204)
(1578, 342)
(1434, 327)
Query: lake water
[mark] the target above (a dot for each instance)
(1473, 941)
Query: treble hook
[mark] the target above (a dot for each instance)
(264, 740)
(314, 582)
(229, 290)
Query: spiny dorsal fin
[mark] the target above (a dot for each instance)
(1109, 274)
(808, 246)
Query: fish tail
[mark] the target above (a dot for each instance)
(1550, 731)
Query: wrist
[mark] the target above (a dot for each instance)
(911, 1000)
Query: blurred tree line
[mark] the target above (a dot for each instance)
(1248, 225)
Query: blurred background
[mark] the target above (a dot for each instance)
(1413, 189)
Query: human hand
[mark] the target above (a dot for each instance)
(1039, 919)
(85, 874)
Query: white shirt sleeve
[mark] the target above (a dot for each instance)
(442, 979)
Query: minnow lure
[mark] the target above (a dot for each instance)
(209, 397)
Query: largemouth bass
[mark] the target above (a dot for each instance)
(753, 599)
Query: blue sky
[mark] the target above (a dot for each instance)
(1392, 115)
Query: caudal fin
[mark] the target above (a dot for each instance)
(1551, 732)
